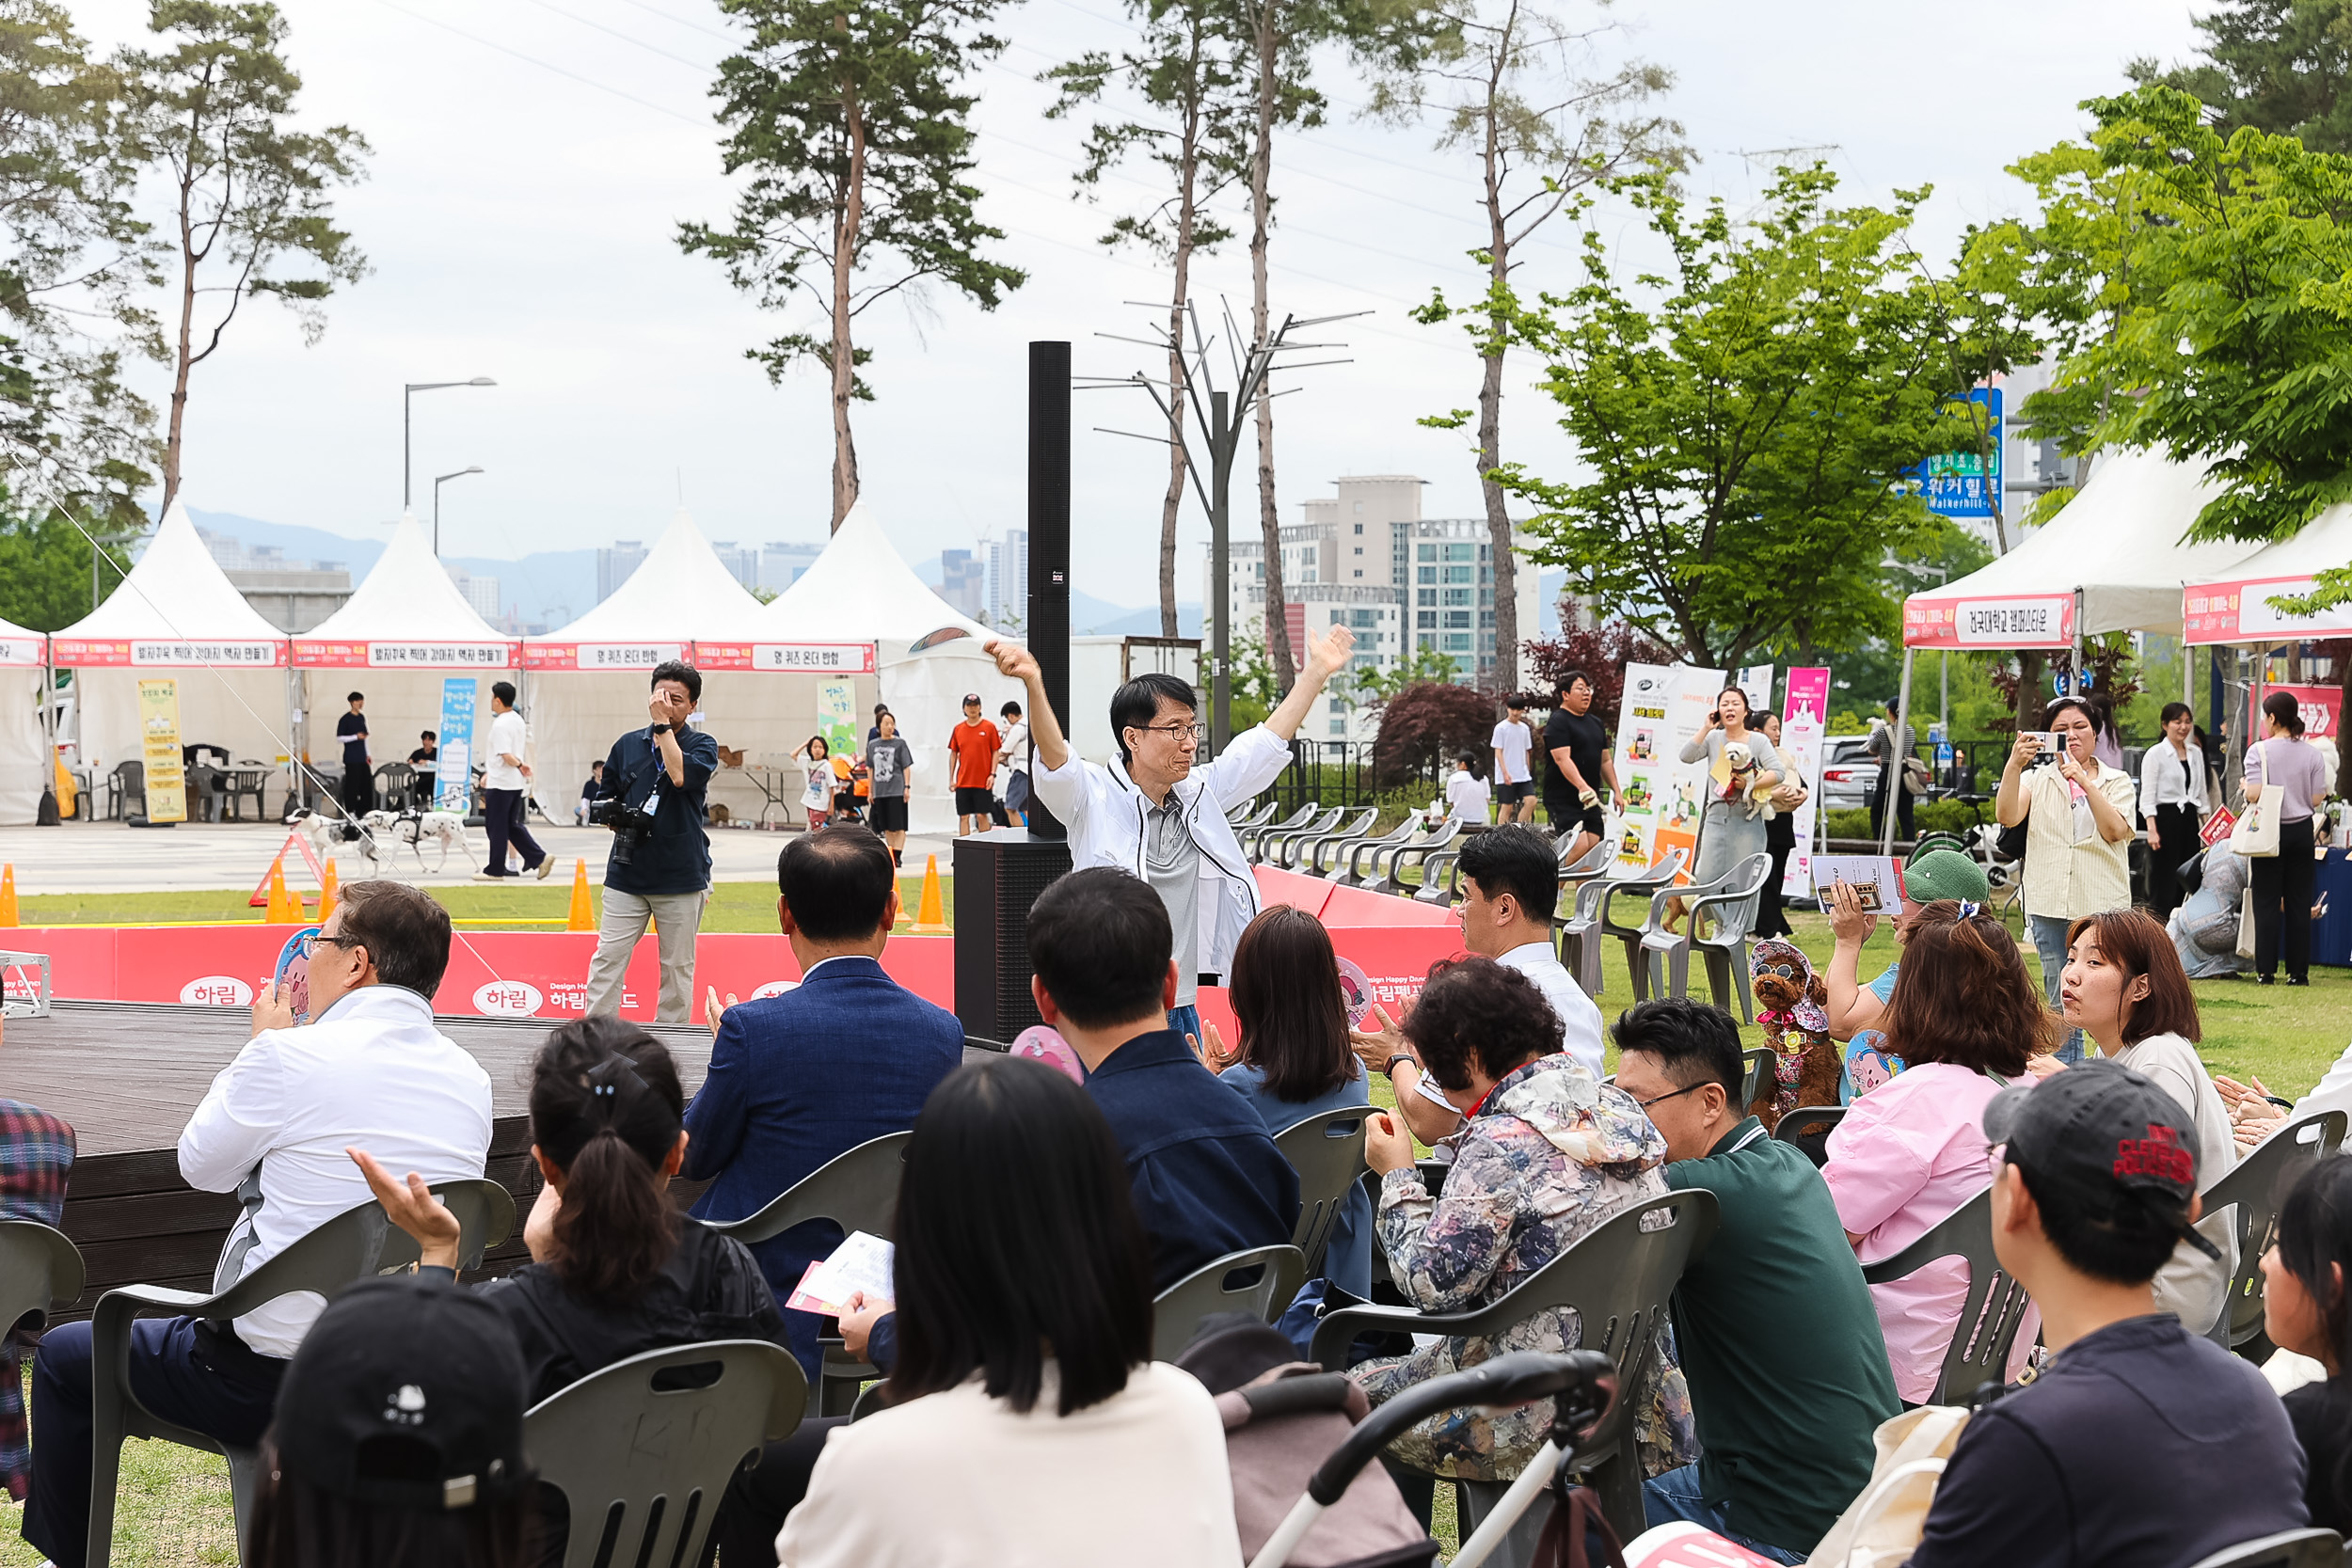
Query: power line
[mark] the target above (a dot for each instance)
(544, 65)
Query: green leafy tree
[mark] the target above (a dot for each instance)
(1422, 667)
(1749, 422)
(1506, 82)
(70, 257)
(248, 197)
(2279, 66)
(850, 121)
(1194, 83)
(46, 568)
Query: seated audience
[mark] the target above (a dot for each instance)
(847, 1055)
(1024, 1406)
(1466, 796)
(2255, 1115)
(2203, 926)
(1294, 1060)
(448, 1486)
(36, 1158)
(369, 1069)
(1910, 1153)
(1787, 1370)
(613, 1273)
(2141, 1445)
(2304, 1312)
(1549, 1153)
(2123, 987)
(1509, 889)
(1936, 876)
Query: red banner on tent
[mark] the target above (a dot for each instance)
(499, 652)
(74, 653)
(2242, 612)
(1991, 621)
(625, 657)
(787, 658)
(2322, 707)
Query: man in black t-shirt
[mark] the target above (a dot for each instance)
(1580, 764)
(359, 788)
(2141, 1445)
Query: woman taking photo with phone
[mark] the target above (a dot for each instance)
(2077, 812)
(2285, 882)
(1729, 833)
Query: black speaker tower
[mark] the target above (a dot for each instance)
(999, 874)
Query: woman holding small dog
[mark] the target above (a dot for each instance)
(1743, 767)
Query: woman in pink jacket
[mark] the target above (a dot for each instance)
(1912, 1152)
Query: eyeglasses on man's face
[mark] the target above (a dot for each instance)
(1178, 731)
(1660, 1099)
(311, 944)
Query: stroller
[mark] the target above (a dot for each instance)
(1292, 1427)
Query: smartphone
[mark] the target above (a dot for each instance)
(2047, 741)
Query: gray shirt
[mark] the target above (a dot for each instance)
(889, 761)
(1171, 864)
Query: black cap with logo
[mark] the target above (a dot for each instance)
(2099, 1136)
(407, 1393)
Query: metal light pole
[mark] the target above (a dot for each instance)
(408, 391)
(440, 480)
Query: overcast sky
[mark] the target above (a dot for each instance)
(533, 158)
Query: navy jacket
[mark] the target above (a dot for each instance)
(848, 1055)
(675, 856)
(1207, 1177)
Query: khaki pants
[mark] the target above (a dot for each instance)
(677, 917)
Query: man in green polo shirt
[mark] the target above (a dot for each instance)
(1778, 1339)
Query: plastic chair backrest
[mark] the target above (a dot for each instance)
(1989, 1317)
(359, 1243)
(1735, 905)
(2255, 1185)
(1260, 1280)
(857, 1190)
(1328, 1153)
(1759, 1071)
(40, 1268)
(1808, 1127)
(642, 1450)
(2295, 1549)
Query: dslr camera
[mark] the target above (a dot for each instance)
(630, 823)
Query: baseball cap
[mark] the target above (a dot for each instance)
(407, 1393)
(971, 697)
(2099, 1135)
(1945, 874)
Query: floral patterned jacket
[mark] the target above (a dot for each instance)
(1551, 1153)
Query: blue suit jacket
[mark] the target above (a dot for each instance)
(797, 1079)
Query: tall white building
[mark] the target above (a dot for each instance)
(781, 564)
(741, 561)
(615, 563)
(1007, 586)
(1368, 559)
(482, 593)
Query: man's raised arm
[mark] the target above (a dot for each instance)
(1018, 663)
(1327, 656)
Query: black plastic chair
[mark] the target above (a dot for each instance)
(1989, 1318)
(1260, 1280)
(1808, 1127)
(126, 784)
(1760, 1073)
(857, 1190)
(1328, 1153)
(1618, 1277)
(2254, 1187)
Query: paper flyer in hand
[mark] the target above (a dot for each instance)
(863, 1262)
(1877, 878)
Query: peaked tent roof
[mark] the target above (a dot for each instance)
(2117, 545)
(22, 644)
(2233, 606)
(176, 593)
(860, 589)
(678, 593)
(407, 598)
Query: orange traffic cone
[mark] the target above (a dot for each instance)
(930, 918)
(7, 895)
(583, 915)
(328, 891)
(284, 908)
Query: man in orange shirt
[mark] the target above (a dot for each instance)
(973, 744)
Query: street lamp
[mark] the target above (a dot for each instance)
(440, 480)
(410, 390)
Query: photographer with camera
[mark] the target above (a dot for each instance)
(651, 797)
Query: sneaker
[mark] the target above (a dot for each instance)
(547, 864)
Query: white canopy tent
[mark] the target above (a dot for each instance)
(26, 759)
(2234, 605)
(405, 631)
(587, 684)
(178, 614)
(861, 589)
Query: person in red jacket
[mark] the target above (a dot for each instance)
(974, 744)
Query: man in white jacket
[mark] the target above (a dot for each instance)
(1153, 814)
(370, 1072)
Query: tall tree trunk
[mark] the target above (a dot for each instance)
(1507, 664)
(1277, 632)
(1187, 166)
(2032, 667)
(183, 358)
(845, 240)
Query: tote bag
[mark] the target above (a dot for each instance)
(2256, 835)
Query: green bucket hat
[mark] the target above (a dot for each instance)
(1945, 874)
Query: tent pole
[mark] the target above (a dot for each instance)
(1894, 786)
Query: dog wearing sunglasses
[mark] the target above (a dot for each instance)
(1792, 1006)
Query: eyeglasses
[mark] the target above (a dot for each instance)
(1177, 732)
(311, 942)
(1660, 1099)
(1786, 971)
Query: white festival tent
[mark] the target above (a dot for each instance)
(860, 589)
(405, 631)
(2233, 606)
(178, 615)
(587, 684)
(26, 759)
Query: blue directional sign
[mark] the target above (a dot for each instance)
(1957, 484)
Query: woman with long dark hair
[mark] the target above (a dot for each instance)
(1965, 1019)
(1295, 1058)
(2285, 882)
(1028, 1417)
(2171, 800)
(2305, 1311)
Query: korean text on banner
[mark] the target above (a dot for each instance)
(2319, 705)
(455, 788)
(1659, 795)
(159, 743)
(1803, 716)
(836, 717)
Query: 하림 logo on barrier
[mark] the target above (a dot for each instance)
(216, 991)
(507, 999)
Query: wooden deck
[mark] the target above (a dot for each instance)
(127, 1074)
